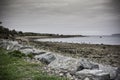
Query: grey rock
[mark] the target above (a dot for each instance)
(86, 64)
(87, 78)
(26, 50)
(118, 70)
(45, 58)
(10, 45)
(118, 77)
(26, 47)
(29, 49)
(109, 69)
(64, 63)
(38, 52)
(69, 76)
(92, 75)
(118, 74)
(61, 74)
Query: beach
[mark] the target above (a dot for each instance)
(64, 61)
(105, 54)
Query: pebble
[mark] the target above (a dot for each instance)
(61, 74)
(69, 76)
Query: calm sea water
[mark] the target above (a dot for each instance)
(110, 40)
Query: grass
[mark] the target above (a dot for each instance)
(15, 68)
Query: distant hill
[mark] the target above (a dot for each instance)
(116, 35)
(50, 35)
(6, 33)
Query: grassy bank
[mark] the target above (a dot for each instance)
(14, 67)
(105, 54)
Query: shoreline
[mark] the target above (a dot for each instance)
(105, 54)
(67, 66)
(84, 40)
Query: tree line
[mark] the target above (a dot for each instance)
(6, 33)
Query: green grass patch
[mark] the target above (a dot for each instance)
(13, 67)
(16, 54)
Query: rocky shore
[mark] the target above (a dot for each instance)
(103, 54)
(64, 66)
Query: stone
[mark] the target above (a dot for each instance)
(38, 52)
(45, 58)
(26, 47)
(118, 77)
(26, 50)
(61, 74)
(109, 69)
(92, 75)
(118, 70)
(69, 76)
(29, 49)
(118, 74)
(65, 63)
(86, 64)
(87, 78)
(10, 45)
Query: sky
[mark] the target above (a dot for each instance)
(86, 17)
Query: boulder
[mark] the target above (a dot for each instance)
(118, 77)
(38, 52)
(88, 64)
(14, 45)
(45, 58)
(109, 69)
(3, 43)
(87, 74)
(65, 63)
(29, 49)
(118, 74)
(26, 50)
(10, 45)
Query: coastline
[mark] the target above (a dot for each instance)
(68, 61)
(104, 54)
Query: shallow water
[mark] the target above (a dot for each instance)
(110, 40)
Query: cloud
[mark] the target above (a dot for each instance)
(59, 15)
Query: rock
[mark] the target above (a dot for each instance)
(65, 63)
(38, 52)
(10, 45)
(16, 47)
(3, 43)
(29, 49)
(56, 72)
(26, 47)
(61, 74)
(69, 76)
(87, 78)
(86, 64)
(111, 70)
(26, 50)
(118, 70)
(118, 77)
(45, 58)
(73, 77)
(92, 75)
(118, 74)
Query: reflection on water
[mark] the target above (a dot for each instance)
(89, 40)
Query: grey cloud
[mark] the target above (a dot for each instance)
(62, 16)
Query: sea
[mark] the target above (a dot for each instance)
(107, 40)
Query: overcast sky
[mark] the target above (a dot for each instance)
(90, 17)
